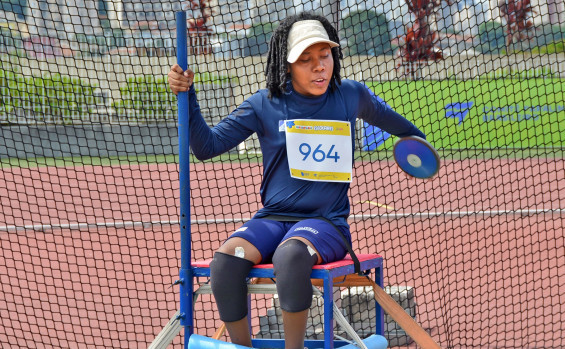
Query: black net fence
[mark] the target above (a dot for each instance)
(89, 185)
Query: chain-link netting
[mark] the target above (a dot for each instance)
(89, 190)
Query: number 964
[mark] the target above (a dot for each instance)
(318, 154)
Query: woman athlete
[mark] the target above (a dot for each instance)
(305, 122)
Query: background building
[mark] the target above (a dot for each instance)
(147, 26)
(62, 18)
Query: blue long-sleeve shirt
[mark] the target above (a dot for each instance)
(280, 193)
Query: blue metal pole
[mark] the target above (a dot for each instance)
(186, 315)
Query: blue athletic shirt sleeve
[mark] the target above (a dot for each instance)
(207, 142)
(375, 111)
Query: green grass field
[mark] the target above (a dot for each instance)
(484, 113)
(488, 118)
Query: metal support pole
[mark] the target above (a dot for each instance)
(186, 311)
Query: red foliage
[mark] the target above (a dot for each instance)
(420, 39)
(419, 43)
(517, 14)
(198, 29)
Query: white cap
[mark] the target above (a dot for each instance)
(304, 34)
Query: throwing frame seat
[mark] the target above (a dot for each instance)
(335, 274)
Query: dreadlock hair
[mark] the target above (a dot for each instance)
(277, 67)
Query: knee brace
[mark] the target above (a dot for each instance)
(293, 264)
(228, 279)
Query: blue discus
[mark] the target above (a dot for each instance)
(416, 156)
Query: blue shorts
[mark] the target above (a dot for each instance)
(267, 234)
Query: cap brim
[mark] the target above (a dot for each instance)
(303, 45)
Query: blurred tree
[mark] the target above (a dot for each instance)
(16, 6)
(257, 39)
(491, 36)
(198, 27)
(419, 43)
(517, 14)
(367, 33)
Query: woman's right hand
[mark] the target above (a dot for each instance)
(179, 80)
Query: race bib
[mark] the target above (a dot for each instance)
(319, 150)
